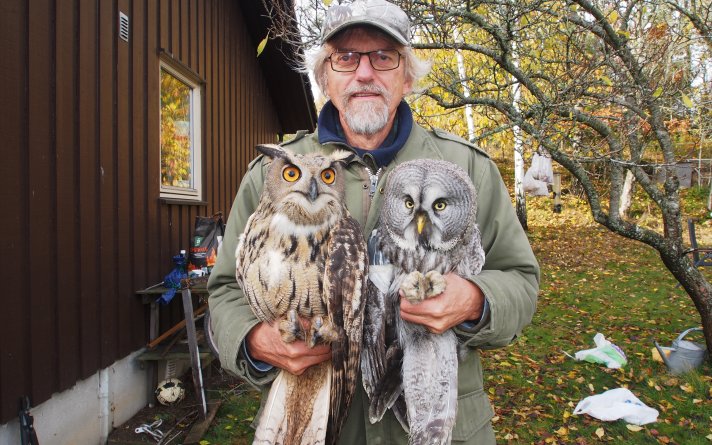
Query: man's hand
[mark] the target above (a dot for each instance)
(460, 301)
(265, 344)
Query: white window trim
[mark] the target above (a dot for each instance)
(196, 192)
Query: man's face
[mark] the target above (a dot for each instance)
(366, 99)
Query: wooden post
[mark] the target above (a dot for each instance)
(557, 192)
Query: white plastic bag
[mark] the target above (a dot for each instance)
(616, 404)
(605, 353)
(533, 186)
(541, 168)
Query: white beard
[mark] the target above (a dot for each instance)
(366, 116)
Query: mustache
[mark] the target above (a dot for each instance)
(366, 88)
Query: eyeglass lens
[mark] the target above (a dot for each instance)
(381, 60)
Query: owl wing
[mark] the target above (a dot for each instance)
(382, 355)
(345, 294)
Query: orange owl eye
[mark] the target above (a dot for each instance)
(291, 173)
(328, 175)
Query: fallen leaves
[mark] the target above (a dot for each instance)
(593, 281)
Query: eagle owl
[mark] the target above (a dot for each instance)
(426, 229)
(302, 262)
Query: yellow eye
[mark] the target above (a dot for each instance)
(439, 206)
(409, 203)
(328, 175)
(291, 173)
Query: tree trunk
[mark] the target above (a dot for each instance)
(519, 195)
(699, 290)
(626, 195)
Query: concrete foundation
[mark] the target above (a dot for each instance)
(86, 413)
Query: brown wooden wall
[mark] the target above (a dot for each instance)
(82, 225)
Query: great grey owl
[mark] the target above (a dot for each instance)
(303, 257)
(426, 229)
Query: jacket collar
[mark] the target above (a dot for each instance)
(330, 131)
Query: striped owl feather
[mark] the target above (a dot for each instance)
(302, 256)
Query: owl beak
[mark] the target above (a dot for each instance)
(420, 222)
(313, 192)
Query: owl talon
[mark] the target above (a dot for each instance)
(434, 283)
(413, 287)
(322, 332)
(290, 328)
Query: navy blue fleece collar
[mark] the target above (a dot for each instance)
(330, 131)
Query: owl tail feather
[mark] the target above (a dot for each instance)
(430, 387)
(389, 387)
(297, 408)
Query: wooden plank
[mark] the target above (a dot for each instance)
(108, 300)
(89, 123)
(67, 189)
(175, 328)
(200, 40)
(14, 330)
(234, 103)
(42, 203)
(184, 34)
(224, 122)
(199, 429)
(212, 105)
(124, 180)
(175, 34)
(139, 221)
(155, 271)
(165, 25)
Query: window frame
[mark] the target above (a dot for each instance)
(194, 194)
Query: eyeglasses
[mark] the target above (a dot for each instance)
(381, 60)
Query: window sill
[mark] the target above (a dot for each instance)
(182, 202)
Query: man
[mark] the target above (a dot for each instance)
(366, 67)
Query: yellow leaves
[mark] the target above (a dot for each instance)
(687, 388)
(658, 92)
(709, 437)
(563, 431)
(204, 442)
(600, 432)
(228, 427)
(687, 101)
(261, 45)
(634, 428)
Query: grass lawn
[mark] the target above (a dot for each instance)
(592, 281)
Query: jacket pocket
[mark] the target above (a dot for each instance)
(473, 412)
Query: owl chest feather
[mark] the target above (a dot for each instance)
(421, 259)
(281, 271)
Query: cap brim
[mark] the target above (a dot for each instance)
(364, 22)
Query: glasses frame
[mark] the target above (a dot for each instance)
(358, 62)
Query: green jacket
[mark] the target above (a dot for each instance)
(509, 279)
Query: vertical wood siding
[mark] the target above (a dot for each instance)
(84, 227)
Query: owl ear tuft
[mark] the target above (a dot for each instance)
(273, 151)
(342, 156)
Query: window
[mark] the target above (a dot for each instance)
(181, 148)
